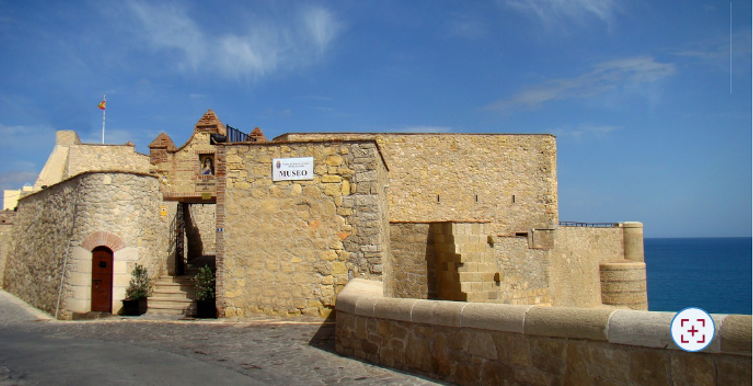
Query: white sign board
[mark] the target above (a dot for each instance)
(288, 169)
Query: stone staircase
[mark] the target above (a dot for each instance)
(174, 295)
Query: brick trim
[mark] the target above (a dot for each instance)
(102, 238)
(221, 173)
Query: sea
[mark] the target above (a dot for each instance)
(713, 274)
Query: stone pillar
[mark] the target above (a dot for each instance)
(623, 284)
(632, 238)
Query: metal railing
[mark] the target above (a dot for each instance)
(589, 224)
(235, 135)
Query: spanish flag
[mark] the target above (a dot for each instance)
(101, 105)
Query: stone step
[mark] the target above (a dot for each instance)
(167, 283)
(175, 279)
(169, 307)
(172, 294)
(160, 302)
(166, 311)
(170, 288)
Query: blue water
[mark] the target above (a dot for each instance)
(713, 274)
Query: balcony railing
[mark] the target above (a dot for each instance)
(235, 135)
(589, 224)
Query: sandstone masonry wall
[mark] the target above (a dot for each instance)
(6, 232)
(524, 272)
(56, 167)
(289, 247)
(509, 180)
(464, 262)
(59, 226)
(495, 344)
(413, 261)
(201, 234)
(70, 157)
(181, 170)
(575, 259)
(39, 245)
(91, 157)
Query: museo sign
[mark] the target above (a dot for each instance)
(288, 169)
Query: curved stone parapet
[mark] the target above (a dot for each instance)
(474, 343)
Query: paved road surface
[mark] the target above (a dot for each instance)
(35, 350)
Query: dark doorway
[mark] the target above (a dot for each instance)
(102, 279)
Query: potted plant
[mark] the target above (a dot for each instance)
(205, 298)
(139, 288)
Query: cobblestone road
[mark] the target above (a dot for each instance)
(275, 351)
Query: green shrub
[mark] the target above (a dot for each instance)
(140, 286)
(204, 281)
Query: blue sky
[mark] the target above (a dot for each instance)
(650, 100)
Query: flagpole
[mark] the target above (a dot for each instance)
(104, 99)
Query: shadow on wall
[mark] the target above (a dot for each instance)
(172, 244)
(193, 236)
(431, 266)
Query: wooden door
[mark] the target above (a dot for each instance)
(102, 279)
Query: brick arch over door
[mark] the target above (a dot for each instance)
(101, 238)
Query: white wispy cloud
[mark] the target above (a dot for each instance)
(15, 179)
(555, 13)
(264, 47)
(18, 136)
(720, 50)
(424, 129)
(468, 27)
(585, 130)
(626, 73)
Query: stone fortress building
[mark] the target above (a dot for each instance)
(461, 217)
(442, 254)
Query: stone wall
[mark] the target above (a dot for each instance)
(413, 261)
(56, 229)
(11, 197)
(56, 167)
(289, 247)
(509, 180)
(574, 274)
(70, 157)
(494, 344)
(464, 262)
(181, 170)
(201, 234)
(40, 244)
(91, 157)
(524, 271)
(6, 231)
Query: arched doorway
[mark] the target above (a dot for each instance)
(102, 279)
